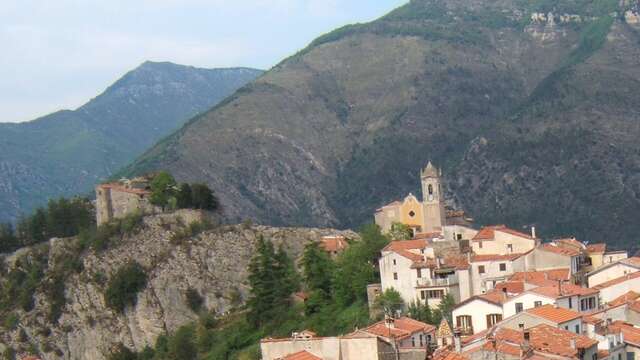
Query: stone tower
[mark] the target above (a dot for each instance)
(433, 199)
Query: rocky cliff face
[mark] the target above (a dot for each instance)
(344, 126)
(214, 263)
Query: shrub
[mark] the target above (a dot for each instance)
(194, 299)
(123, 288)
(181, 345)
(9, 354)
(11, 321)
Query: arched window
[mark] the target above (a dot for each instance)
(430, 189)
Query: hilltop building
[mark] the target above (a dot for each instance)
(426, 216)
(118, 199)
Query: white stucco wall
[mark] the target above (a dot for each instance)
(604, 275)
(478, 310)
(499, 244)
(528, 301)
(407, 277)
(609, 293)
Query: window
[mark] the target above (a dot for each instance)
(423, 294)
(481, 269)
(493, 319)
(510, 247)
(518, 307)
(413, 342)
(394, 261)
(421, 341)
(430, 189)
(570, 303)
(537, 303)
(631, 356)
(459, 236)
(577, 329)
(395, 276)
(503, 267)
(566, 327)
(480, 244)
(435, 294)
(419, 271)
(412, 213)
(521, 326)
(464, 322)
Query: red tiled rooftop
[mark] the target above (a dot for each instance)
(597, 248)
(448, 354)
(547, 339)
(122, 188)
(559, 250)
(402, 328)
(633, 261)
(511, 287)
(564, 290)
(630, 333)
(488, 233)
(301, 355)
(617, 281)
(333, 243)
(570, 242)
(555, 314)
(541, 278)
(625, 298)
(406, 245)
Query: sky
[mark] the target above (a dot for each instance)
(58, 54)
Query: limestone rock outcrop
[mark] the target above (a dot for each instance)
(213, 262)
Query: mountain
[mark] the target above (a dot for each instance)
(67, 152)
(531, 108)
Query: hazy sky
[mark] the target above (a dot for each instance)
(57, 54)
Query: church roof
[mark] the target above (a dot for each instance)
(430, 171)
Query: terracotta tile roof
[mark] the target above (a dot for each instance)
(555, 314)
(550, 247)
(406, 245)
(625, 298)
(488, 233)
(597, 248)
(547, 339)
(633, 261)
(603, 354)
(301, 355)
(333, 243)
(457, 262)
(402, 328)
(448, 354)
(502, 348)
(564, 290)
(122, 188)
(589, 319)
(494, 257)
(511, 287)
(630, 333)
(635, 306)
(391, 204)
(495, 297)
(570, 242)
(617, 281)
(541, 278)
(416, 258)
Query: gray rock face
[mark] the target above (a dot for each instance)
(214, 263)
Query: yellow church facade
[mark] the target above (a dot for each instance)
(426, 216)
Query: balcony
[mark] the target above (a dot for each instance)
(437, 282)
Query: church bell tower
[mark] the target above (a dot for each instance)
(432, 199)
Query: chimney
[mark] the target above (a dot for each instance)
(526, 337)
(456, 340)
(560, 287)
(389, 321)
(533, 232)
(572, 342)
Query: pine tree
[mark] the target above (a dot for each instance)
(445, 308)
(162, 189)
(318, 268)
(262, 282)
(184, 197)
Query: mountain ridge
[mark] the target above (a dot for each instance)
(69, 151)
(343, 127)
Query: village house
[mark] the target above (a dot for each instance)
(617, 287)
(500, 240)
(613, 270)
(390, 339)
(334, 245)
(118, 199)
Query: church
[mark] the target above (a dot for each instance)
(426, 216)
